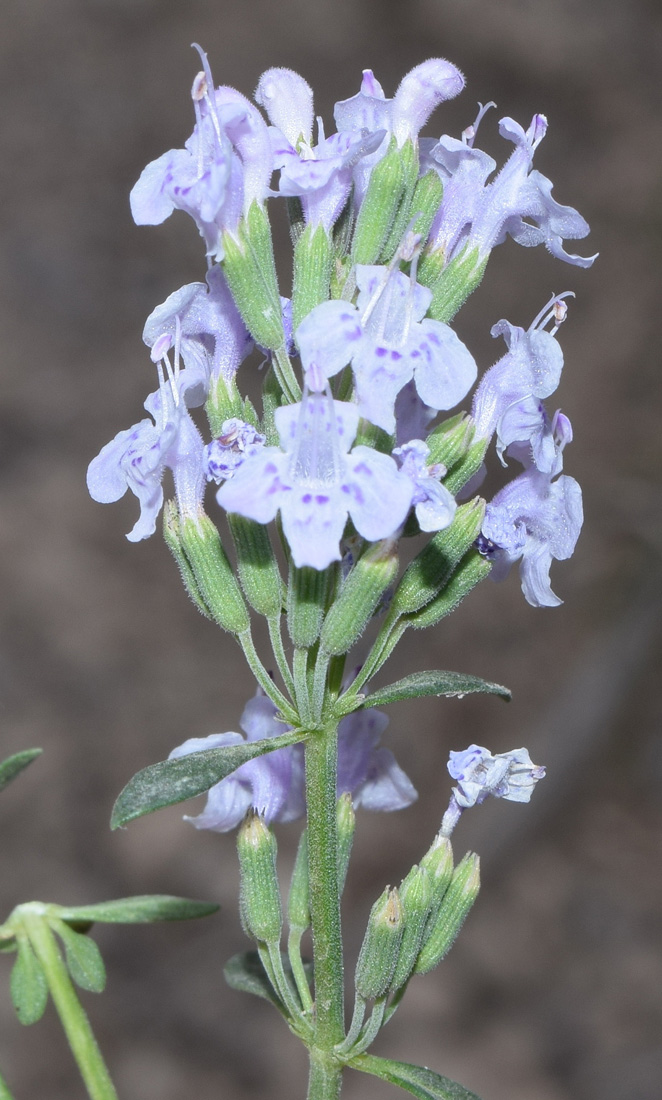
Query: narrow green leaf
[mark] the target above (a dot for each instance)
(246, 973)
(84, 960)
(433, 683)
(28, 985)
(14, 765)
(421, 1082)
(172, 781)
(138, 910)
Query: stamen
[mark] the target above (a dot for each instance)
(555, 308)
(469, 135)
(178, 343)
(208, 91)
(320, 130)
(405, 252)
(161, 347)
(200, 87)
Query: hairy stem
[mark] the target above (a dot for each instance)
(72, 1015)
(321, 771)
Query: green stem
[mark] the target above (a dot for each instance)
(319, 683)
(355, 1026)
(321, 770)
(325, 1078)
(264, 679)
(298, 970)
(302, 694)
(72, 1015)
(279, 653)
(285, 990)
(372, 1027)
(5, 1094)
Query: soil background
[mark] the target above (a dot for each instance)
(553, 990)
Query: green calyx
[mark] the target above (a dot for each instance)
(250, 270)
(457, 901)
(381, 946)
(379, 207)
(416, 895)
(213, 577)
(434, 566)
(257, 567)
(260, 903)
(307, 595)
(456, 282)
(359, 597)
(313, 263)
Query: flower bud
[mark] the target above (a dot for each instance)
(472, 569)
(260, 903)
(379, 206)
(458, 899)
(313, 260)
(298, 902)
(250, 271)
(433, 567)
(213, 574)
(416, 896)
(346, 820)
(381, 944)
(358, 598)
(256, 565)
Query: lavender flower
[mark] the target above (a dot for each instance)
(316, 482)
(433, 504)
(205, 322)
(224, 166)
(510, 775)
(137, 458)
(476, 215)
(420, 92)
(533, 520)
(320, 175)
(388, 343)
(507, 399)
(273, 784)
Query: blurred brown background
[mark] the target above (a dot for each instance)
(553, 990)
